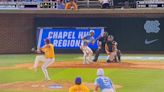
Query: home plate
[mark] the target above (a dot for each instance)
(55, 86)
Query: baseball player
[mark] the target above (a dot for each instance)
(111, 50)
(103, 82)
(78, 87)
(101, 45)
(86, 50)
(48, 57)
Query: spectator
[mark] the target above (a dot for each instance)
(69, 0)
(103, 82)
(71, 5)
(61, 4)
(105, 4)
(78, 87)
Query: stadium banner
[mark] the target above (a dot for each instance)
(66, 38)
(132, 34)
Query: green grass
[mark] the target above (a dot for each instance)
(132, 80)
(11, 60)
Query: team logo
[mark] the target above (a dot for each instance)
(150, 41)
(152, 26)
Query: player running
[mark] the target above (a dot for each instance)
(86, 50)
(103, 82)
(48, 57)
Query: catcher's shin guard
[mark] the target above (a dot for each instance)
(115, 59)
(119, 55)
(108, 61)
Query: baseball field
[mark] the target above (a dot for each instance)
(136, 73)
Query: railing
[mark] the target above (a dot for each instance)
(89, 4)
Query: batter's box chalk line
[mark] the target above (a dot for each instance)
(36, 86)
(55, 86)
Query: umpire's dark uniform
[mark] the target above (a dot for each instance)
(101, 47)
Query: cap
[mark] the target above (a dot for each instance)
(47, 40)
(100, 72)
(78, 80)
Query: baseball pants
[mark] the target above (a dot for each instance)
(87, 54)
(111, 56)
(47, 62)
(98, 51)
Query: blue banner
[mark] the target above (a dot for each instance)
(67, 38)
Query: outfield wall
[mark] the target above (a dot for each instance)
(135, 30)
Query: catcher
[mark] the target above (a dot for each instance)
(114, 55)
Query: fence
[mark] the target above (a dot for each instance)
(133, 31)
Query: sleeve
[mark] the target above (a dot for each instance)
(66, 6)
(111, 83)
(70, 89)
(100, 38)
(93, 38)
(106, 48)
(87, 89)
(96, 82)
(76, 6)
(43, 48)
(85, 37)
(112, 86)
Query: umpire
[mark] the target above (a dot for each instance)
(101, 45)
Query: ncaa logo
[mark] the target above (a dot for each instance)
(152, 26)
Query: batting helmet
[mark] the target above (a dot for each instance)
(92, 31)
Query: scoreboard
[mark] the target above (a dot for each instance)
(150, 4)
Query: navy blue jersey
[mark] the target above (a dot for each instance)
(103, 40)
